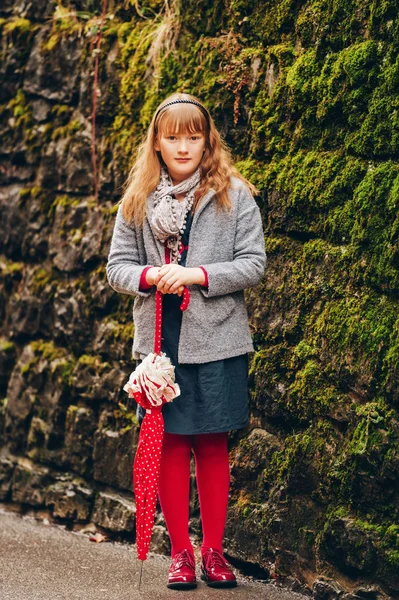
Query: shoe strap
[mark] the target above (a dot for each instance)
(213, 557)
(184, 558)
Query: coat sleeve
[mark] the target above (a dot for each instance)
(249, 257)
(123, 267)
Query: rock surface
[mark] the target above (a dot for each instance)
(305, 95)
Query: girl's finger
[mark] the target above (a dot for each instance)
(163, 279)
(171, 284)
(164, 285)
(161, 274)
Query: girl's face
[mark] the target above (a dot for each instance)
(181, 152)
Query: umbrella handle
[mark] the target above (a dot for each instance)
(158, 308)
(158, 316)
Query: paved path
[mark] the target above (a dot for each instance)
(48, 562)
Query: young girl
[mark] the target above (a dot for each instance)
(188, 218)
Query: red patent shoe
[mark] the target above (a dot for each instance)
(216, 571)
(182, 571)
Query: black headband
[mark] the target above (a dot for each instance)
(204, 110)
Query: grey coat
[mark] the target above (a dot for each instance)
(229, 245)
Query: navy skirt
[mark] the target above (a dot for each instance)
(213, 395)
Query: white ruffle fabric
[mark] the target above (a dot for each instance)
(155, 378)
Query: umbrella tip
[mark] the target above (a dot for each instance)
(141, 572)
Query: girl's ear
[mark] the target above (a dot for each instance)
(156, 145)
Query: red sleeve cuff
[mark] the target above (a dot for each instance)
(143, 280)
(205, 284)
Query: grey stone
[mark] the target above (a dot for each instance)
(160, 541)
(28, 9)
(29, 483)
(326, 590)
(6, 470)
(370, 592)
(113, 456)
(41, 110)
(70, 498)
(7, 362)
(114, 512)
(71, 320)
(250, 457)
(54, 75)
(80, 425)
(348, 547)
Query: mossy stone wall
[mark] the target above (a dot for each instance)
(306, 95)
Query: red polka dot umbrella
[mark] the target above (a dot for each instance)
(152, 384)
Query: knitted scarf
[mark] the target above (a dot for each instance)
(170, 215)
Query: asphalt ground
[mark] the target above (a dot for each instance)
(40, 560)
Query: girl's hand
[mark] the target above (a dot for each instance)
(172, 278)
(153, 273)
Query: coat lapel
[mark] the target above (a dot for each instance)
(204, 201)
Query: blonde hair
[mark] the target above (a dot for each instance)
(216, 165)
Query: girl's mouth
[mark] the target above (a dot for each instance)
(182, 159)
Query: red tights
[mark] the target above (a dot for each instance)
(213, 480)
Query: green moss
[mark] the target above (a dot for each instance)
(62, 363)
(65, 368)
(246, 511)
(297, 448)
(41, 277)
(134, 50)
(252, 169)
(8, 266)
(65, 21)
(392, 557)
(126, 332)
(20, 110)
(66, 131)
(52, 42)
(309, 393)
(86, 359)
(385, 536)
(25, 368)
(94, 362)
(32, 192)
(124, 415)
(357, 330)
(17, 25)
(389, 373)
(47, 349)
(41, 197)
(76, 235)
(67, 201)
(364, 435)
(24, 193)
(370, 527)
(111, 210)
(7, 346)
(61, 112)
(118, 331)
(391, 536)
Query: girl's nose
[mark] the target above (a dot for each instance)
(183, 146)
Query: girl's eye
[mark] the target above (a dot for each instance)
(174, 137)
